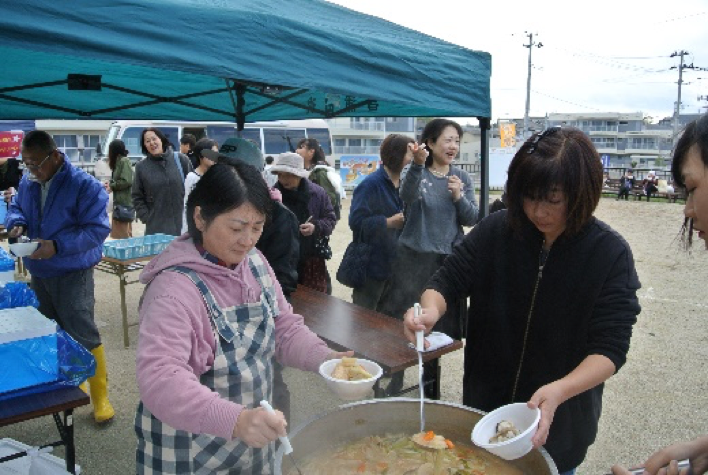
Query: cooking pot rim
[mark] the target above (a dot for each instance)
(304, 424)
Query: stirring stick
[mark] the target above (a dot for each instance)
(420, 347)
(287, 448)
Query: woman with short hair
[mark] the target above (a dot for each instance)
(212, 318)
(552, 292)
(376, 217)
(689, 169)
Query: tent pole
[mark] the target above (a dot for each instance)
(484, 126)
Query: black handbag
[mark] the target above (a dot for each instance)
(352, 270)
(322, 248)
(124, 213)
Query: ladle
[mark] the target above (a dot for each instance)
(420, 347)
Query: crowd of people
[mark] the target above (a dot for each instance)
(544, 293)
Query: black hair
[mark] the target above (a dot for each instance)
(160, 135)
(558, 158)
(432, 131)
(695, 133)
(393, 150)
(203, 144)
(312, 144)
(223, 188)
(188, 139)
(116, 149)
(269, 159)
(40, 141)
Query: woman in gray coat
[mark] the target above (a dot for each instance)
(158, 186)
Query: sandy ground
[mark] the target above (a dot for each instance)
(660, 395)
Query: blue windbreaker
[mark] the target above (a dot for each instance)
(74, 217)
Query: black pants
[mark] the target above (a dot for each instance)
(411, 272)
(623, 192)
(69, 300)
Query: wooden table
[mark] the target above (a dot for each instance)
(369, 334)
(122, 268)
(24, 408)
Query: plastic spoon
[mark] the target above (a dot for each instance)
(287, 447)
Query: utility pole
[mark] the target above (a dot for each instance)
(528, 82)
(680, 67)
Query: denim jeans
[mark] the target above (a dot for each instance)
(569, 472)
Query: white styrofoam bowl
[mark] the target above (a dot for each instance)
(525, 419)
(351, 390)
(22, 249)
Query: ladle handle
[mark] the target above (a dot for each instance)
(283, 438)
(420, 334)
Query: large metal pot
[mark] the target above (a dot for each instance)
(395, 415)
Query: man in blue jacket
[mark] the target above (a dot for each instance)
(64, 209)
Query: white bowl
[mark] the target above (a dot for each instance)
(525, 420)
(351, 390)
(22, 249)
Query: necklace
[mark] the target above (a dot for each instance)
(437, 173)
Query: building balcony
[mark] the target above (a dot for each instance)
(601, 133)
(370, 150)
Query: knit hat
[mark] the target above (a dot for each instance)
(290, 162)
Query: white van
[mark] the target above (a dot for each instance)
(272, 138)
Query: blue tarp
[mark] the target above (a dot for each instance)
(209, 59)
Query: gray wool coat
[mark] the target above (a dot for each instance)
(158, 192)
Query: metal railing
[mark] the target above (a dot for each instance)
(371, 149)
(379, 126)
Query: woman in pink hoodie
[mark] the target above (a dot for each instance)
(211, 319)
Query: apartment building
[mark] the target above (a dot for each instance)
(622, 139)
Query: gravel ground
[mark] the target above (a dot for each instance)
(659, 396)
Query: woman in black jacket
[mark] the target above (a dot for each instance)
(552, 295)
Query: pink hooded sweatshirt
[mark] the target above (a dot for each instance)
(176, 340)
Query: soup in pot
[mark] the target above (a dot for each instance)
(400, 455)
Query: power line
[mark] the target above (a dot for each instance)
(680, 18)
(567, 102)
(603, 60)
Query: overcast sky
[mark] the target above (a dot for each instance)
(601, 56)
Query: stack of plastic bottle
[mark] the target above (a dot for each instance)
(135, 247)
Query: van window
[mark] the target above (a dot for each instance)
(222, 132)
(278, 140)
(131, 138)
(323, 137)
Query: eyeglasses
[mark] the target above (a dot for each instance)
(537, 138)
(29, 166)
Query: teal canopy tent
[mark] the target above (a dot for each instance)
(235, 60)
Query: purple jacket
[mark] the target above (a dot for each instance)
(319, 207)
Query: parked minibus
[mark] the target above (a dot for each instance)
(272, 138)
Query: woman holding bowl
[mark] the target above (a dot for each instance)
(552, 295)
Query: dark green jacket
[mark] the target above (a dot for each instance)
(122, 182)
(319, 176)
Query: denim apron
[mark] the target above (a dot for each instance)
(242, 373)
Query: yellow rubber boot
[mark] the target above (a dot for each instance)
(98, 384)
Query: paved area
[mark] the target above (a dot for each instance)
(660, 396)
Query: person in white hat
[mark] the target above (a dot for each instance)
(316, 218)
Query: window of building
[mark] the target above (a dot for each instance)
(78, 147)
(354, 142)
